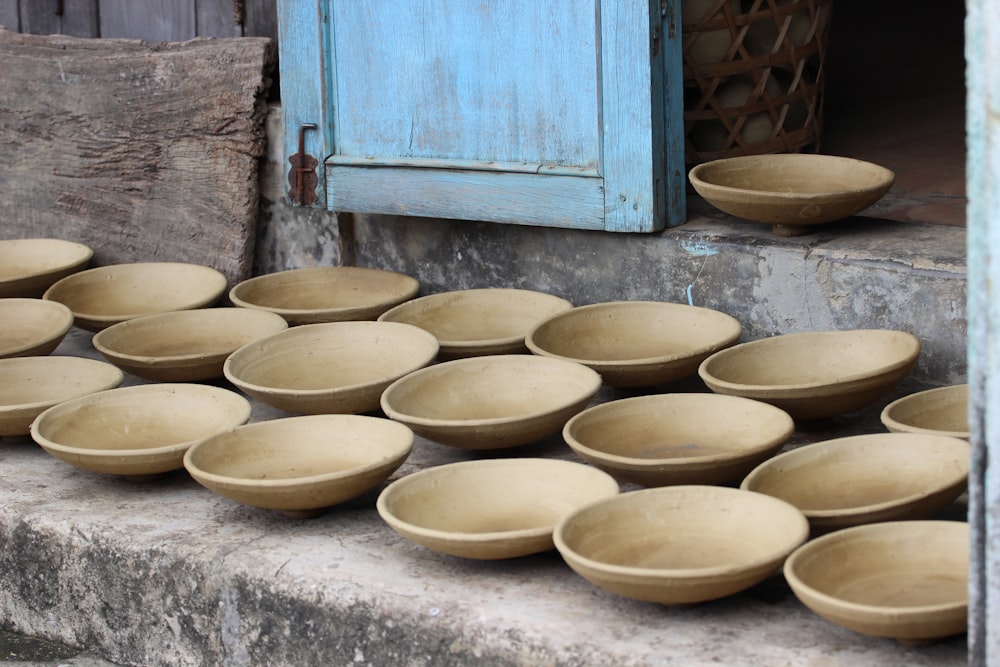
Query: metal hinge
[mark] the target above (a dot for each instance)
(302, 177)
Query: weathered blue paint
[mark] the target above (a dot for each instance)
(550, 113)
(982, 49)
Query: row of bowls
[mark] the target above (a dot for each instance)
(227, 451)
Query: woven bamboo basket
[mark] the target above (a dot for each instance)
(753, 76)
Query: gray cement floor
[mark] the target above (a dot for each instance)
(17, 650)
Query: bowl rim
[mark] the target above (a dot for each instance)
(86, 254)
(110, 383)
(638, 463)
(303, 329)
(535, 348)
(400, 452)
(792, 514)
(42, 304)
(463, 344)
(207, 294)
(834, 444)
(437, 534)
(887, 176)
(893, 424)
(156, 361)
(812, 546)
(413, 287)
(583, 371)
(777, 390)
(235, 399)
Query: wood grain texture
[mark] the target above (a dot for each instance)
(142, 151)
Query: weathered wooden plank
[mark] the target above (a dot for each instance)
(78, 18)
(167, 20)
(116, 144)
(216, 18)
(10, 17)
(261, 19)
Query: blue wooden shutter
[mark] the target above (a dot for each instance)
(555, 112)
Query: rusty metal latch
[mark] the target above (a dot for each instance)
(302, 176)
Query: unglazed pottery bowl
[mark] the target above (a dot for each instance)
(664, 439)
(815, 375)
(478, 322)
(31, 385)
(110, 294)
(908, 580)
(680, 544)
(635, 343)
(28, 267)
(137, 432)
(490, 509)
(326, 293)
(184, 345)
(491, 402)
(300, 465)
(32, 327)
(941, 411)
(332, 367)
(791, 191)
(867, 478)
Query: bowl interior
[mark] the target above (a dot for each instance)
(320, 357)
(794, 175)
(326, 293)
(478, 317)
(811, 359)
(491, 388)
(108, 294)
(848, 476)
(944, 410)
(52, 379)
(32, 326)
(29, 266)
(632, 331)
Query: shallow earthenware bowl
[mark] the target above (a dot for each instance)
(814, 375)
(493, 508)
(478, 322)
(32, 327)
(184, 345)
(664, 439)
(491, 402)
(791, 191)
(137, 432)
(907, 580)
(680, 544)
(300, 465)
(28, 267)
(31, 385)
(867, 478)
(331, 367)
(110, 294)
(941, 411)
(635, 343)
(326, 293)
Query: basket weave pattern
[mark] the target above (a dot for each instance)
(753, 76)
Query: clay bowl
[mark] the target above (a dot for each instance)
(325, 293)
(791, 191)
(680, 544)
(664, 439)
(137, 432)
(941, 411)
(491, 402)
(31, 385)
(493, 508)
(907, 580)
(110, 294)
(28, 267)
(867, 478)
(184, 345)
(478, 322)
(635, 343)
(300, 465)
(32, 327)
(332, 367)
(814, 375)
